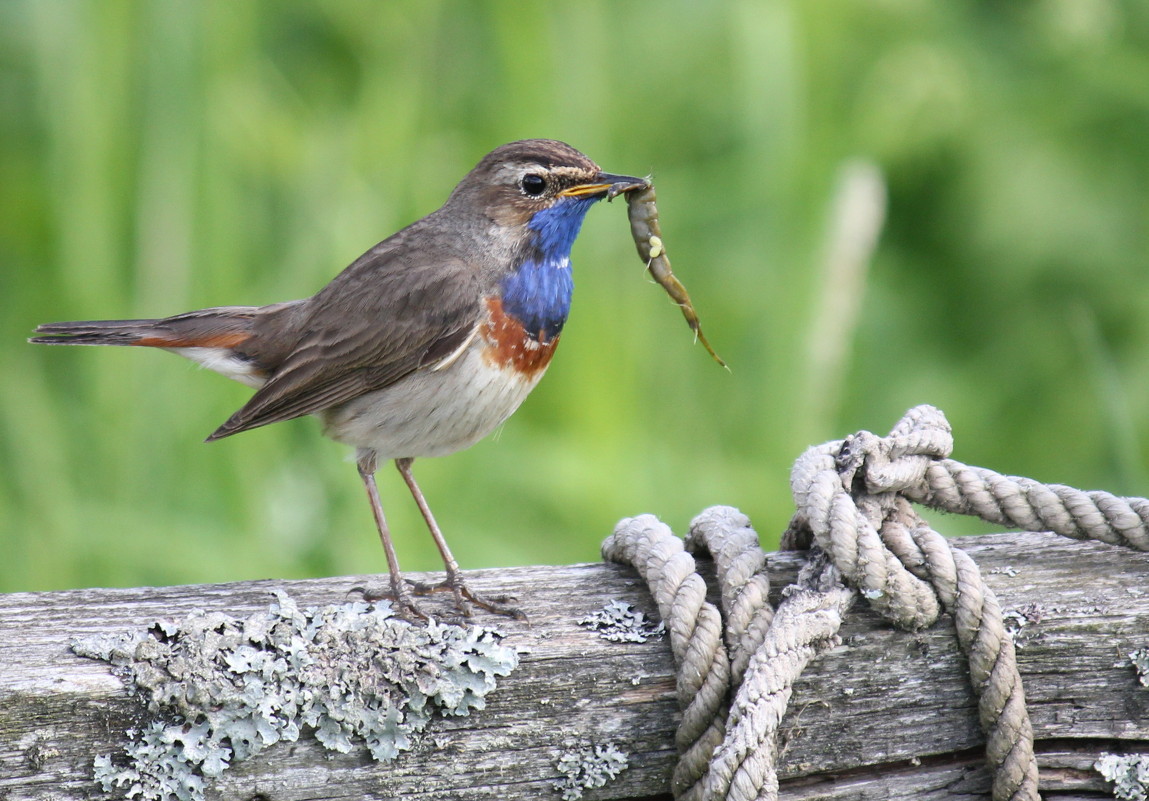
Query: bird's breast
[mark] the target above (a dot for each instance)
(510, 345)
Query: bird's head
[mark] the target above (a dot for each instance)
(541, 186)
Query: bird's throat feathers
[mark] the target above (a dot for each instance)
(538, 293)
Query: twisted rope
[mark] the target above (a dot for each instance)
(695, 628)
(854, 505)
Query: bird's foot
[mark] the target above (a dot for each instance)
(464, 597)
(400, 598)
(401, 595)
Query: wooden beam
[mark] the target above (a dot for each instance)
(886, 714)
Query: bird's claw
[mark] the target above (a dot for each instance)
(400, 595)
(464, 597)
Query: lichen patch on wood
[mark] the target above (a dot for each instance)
(224, 689)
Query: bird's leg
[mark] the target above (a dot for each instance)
(366, 463)
(454, 582)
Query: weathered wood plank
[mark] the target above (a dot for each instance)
(886, 714)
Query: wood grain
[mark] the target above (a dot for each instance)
(886, 714)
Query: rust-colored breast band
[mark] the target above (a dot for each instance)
(509, 344)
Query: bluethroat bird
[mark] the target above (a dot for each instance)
(421, 347)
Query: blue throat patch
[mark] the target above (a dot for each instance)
(538, 293)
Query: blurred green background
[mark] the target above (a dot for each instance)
(157, 157)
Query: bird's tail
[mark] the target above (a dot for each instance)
(222, 327)
(94, 332)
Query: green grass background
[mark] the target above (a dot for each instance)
(157, 157)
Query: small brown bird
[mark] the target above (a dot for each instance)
(421, 347)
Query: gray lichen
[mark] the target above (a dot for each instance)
(587, 765)
(1021, 623)
(622, 622)
(1129, 774)
(224, 689)
(1140, 661)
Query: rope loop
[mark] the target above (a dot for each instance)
(855, 513)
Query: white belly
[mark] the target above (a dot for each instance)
(432, 413)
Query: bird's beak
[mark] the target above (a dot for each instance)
(607, 185)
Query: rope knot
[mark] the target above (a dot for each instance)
(855, 515)
(873, 465)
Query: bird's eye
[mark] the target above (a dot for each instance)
(533, 184)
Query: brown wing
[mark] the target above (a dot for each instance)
(381, 319)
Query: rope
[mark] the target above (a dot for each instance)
(695, 628)
(854, 510)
